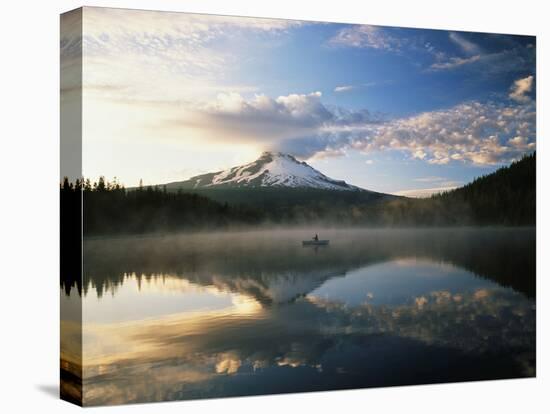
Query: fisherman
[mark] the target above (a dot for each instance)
(316, 238)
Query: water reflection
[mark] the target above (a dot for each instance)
(212, 316)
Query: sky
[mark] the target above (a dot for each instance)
(167, 96)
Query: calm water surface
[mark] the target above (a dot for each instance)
(181, 317)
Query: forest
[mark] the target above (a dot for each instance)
(109, 208)
(506, 197)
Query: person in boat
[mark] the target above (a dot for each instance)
(316, 238)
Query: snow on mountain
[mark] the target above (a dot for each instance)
(272, 169)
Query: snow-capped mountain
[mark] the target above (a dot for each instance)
(272, 169)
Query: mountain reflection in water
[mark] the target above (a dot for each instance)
(216, 315)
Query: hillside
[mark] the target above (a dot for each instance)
(276, 199)
(507, 196)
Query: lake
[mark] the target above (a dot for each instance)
(231, 314)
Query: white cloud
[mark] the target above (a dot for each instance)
(472, 132)
(269, 120)
(344, 88)
(299, 109)
(261, 119)
(519, 142)
(347, 88)
(508, 60)
(426, 192)
(430, 179)
(520, 89)
(454, 62)
(157, 27)
(366, 36)
(467, 46)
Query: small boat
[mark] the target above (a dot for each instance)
(315, 243)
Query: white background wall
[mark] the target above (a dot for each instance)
(29, 139)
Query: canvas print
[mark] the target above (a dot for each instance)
(260, 206)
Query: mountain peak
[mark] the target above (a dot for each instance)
(277, 154)
(271, 169)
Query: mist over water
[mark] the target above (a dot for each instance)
(241, 313)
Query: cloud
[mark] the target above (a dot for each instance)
(507, 55)
(426, 192)
(454, 62)
(475, 132)
(466, 45)
(520, 89)
(429, 179)
(269, 120)
(366, 36)
(347, 88)
(514, 59)
(157, 29)
(472, 132)
(397, 41)
(483, 133)
(166, 56)
(387, 39)
(71, 55)
(443, 184)
(344, 88)
(263, 117)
